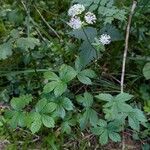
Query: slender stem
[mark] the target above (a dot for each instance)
(125, 58)
(126, 45)
(47, 23)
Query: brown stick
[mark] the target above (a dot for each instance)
(126, 45)
(125, 57)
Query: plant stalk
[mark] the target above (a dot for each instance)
(126, 45)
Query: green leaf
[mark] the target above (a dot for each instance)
(123, 107)
(133, 123)
(91, 33)
(50, 107)
(65, 127)
(114, 136)
(85, 75)
(50, 86)
(87, 100)
(93, 117)
(102, 123)
(87, 53)
(19, 103)
(22, 119)
(27, 43)
(104, 137)
(146, 71)
(105, 97)
(140, 115)
(5, 50)
(78, 64)
(89, 116)
(84, 79)
(60, 88)
(14, 120)
(123, 97)
(67, 104)
(97, 130)
(36, 124)
(67, 73)
(48, 121)
(60, 111)
(89, 73)
(40, 105)
(51, 76)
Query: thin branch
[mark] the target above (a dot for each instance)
(47, 23)
(125, 58)
(126, 45)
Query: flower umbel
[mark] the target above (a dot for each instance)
(90, 18)
(105, 39)
(75, 23)
(76, 9)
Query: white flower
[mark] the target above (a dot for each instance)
(75, 23)
(90, 18)
(76, 9)
(105, 39)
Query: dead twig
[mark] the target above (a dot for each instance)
(126, 45)
(125, 57)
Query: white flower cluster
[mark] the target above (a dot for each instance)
(90, 18)
(75, 21)
(75, 10)
(105, 39)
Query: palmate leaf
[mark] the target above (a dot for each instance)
(86, 99)
(63, 104)
(88, 117)
(59, 87)
(87, 51)
(85, 75)
(107, 130)
(65, 127)
(5, 50)
(85, 34)
(67, 73)
(58, 84)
